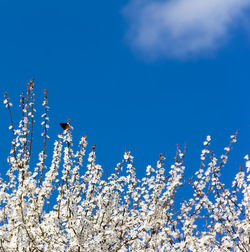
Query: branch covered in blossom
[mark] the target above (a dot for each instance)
(67, 205)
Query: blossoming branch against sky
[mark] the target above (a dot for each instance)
(79, 51)
(183, 28)
(68, 205)
(194, 91)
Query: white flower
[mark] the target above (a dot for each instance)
(248, 163)
(69, 205)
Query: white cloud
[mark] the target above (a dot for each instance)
(182, 28)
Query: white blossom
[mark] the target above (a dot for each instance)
(69, 205)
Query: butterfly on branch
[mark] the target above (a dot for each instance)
(65, 126)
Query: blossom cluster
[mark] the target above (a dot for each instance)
(68, 205)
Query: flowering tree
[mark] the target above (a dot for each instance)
(63, 207)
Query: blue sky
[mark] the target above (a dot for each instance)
(141, 74)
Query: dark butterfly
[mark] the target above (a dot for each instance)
(65, 126)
